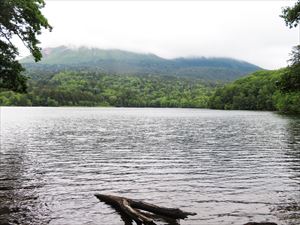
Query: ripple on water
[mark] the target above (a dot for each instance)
(230, 167)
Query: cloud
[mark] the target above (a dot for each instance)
(246, 30)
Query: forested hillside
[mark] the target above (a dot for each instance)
(258, 91)
(98, 89)
(95, 77)
(123, 63)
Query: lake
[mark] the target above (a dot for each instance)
(230, 167)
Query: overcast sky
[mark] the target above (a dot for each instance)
(246, 30)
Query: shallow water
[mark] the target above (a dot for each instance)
(230, 167)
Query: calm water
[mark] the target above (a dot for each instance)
(231, 167)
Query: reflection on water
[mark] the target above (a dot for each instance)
(231, 167)
(289, 209)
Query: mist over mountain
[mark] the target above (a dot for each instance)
(125, 62)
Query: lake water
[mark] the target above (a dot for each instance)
(230, 167)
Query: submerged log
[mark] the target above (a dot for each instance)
(135, 210)
(260, 223)
(132, 209)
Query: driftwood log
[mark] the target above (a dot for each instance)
(132, 209)
(260, 223)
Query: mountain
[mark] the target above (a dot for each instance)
(124, 62)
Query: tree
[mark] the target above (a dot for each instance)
(290, 81)
(291, 15)
(23, 19)
(295, 56)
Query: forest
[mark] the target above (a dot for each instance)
(98, 89)
(261, 90)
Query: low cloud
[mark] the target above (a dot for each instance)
(246, 30)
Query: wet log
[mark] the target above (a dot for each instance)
(132, 208)
(260, 223)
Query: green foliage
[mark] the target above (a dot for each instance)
(96, 89)
(9, 98)
(288, 102)
(21, 18)
(10, 69)
(295, 56)
(291, 15)
(258, 91)
(290, 79)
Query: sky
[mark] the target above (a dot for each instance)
(247, 30)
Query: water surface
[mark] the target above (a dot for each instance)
(230, 167)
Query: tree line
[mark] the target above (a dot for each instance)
(98, 89)
(262, 90)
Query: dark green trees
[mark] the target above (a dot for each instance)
(23, 19)
(97, 89)
(291, 15)
(254, 92)
(290, 81)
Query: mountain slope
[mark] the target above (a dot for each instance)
(258, 91)
(124, 62)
